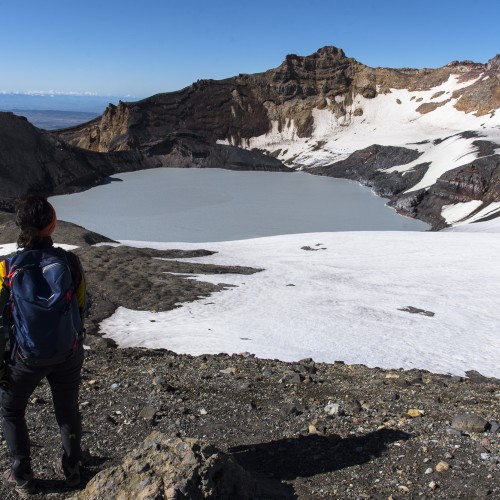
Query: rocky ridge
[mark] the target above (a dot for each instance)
(235, 423)
(245, 106)
(317, 113)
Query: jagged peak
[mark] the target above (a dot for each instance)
(494, 63)
(329, 52)
(325, 57)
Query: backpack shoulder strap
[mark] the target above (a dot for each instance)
(4, 271)
(6, 330)
(12, 264)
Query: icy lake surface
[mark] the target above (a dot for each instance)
(202, 205)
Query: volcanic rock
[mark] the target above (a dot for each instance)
(478, 180)
(260, 423)
(172, 468)
(239, 108)
(469, 422)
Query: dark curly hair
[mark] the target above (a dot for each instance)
(33, 213)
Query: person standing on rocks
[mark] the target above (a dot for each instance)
(43, 300)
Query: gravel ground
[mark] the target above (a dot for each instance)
(306, 430)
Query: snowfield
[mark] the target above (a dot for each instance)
(388, 299)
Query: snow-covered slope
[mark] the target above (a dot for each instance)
(389, 119)
(412, 300)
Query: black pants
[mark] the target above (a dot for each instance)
(64, 380)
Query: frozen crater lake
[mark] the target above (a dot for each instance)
(203, 205)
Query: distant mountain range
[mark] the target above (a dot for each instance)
(428, 139)
(43, 101)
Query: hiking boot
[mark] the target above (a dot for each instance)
(71, 475)
(23, 485)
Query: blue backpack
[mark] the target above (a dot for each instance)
(45, 319)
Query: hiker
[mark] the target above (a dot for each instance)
(43, 299)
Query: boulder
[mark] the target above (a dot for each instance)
(469, 422)
(172, 468)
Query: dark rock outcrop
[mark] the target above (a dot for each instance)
(367, 166)
(187, 150)
(158, 281)
(32, 160)
(70, 234)
(478, 180)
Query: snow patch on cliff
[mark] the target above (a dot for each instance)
(459, 211)
(442, 156)
(474, 223)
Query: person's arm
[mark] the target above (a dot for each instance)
(80, 283)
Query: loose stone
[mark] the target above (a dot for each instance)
(442, 467)
(332, 408)
(415, 413)
(147, 413)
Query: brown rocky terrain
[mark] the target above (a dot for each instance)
(235, 426)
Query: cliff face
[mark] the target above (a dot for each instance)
(313, 112)
(238, 108)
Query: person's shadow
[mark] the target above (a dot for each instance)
(305, 456)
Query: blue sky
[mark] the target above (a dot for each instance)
(139, 48)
